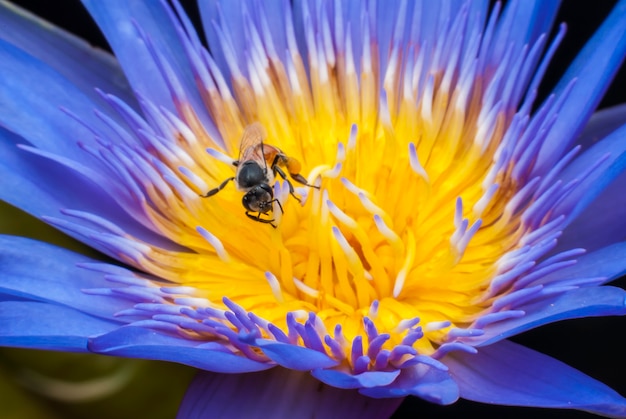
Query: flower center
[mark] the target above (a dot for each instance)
(406, 222)
(412, 198)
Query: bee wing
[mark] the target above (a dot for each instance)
(252, 137)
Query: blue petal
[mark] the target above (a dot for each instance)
(583, 302)
(522, 23)
(229, 16)
(593, 69)
(601, 124)
(612, 152)
(83, 65)
(600, 224)
(117, 21)
(295, 357)
(366, 379)
(40, 271)
(231, 12)
(26, 175)
(420, 380)
(45, 326)
(276, 393)
(138, 342)
(31, 106)
(608, 262)
(510, 374)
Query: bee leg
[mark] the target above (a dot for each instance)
(257, 218)
(300, 179)
(219, 188)
(279, 204)
(291, 190)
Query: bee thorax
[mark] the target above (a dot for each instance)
(250, 174)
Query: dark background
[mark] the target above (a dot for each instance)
(595, 346)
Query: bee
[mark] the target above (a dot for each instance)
(257, 167)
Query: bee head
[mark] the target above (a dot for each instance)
(259, 198)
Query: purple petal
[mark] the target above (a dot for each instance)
(295, 357)
(83, 65)
(583, 302)
(276, 393)
(509, 374)
(26, 175)
(611, 151)
(28, 324)
(231, 12)
(117, 21)
(593, 70)
(138, 342)
(420, 380)
(522, 23)
(608, 262)
(34, 110)
(366, 379)
(601, 124)
(600, 224)
(40, 271)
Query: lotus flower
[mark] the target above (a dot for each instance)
(332, 207)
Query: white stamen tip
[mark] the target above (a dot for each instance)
(352, 140)
(407, 324)
(373, 311)
(433, 326)
(219, 156)
(215, 242)
(385, 230)
(194, 179)
(341, 152)
(415, 163)
(193, 302)
(369, 205)
(336, 171)
(340, 215)
(399, 283)
(482, 203)
(311, 292)
(275, 286)
(179, 290)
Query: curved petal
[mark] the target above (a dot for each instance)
(583, 302)
(295, 357)
(420, 380)
(28, 324)
(39, 186)
(608, 263)
(35, 111)
(611, 152)
(40, 271)
(522, 23)
(138, 342)
(276, 393)
(229, 15)
(601, 124)
(366, 379)
(601, 223)
(593, 70)
(120, 22)
(510, 374)
(83, 65)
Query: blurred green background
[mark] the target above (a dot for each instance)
(53, 385)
